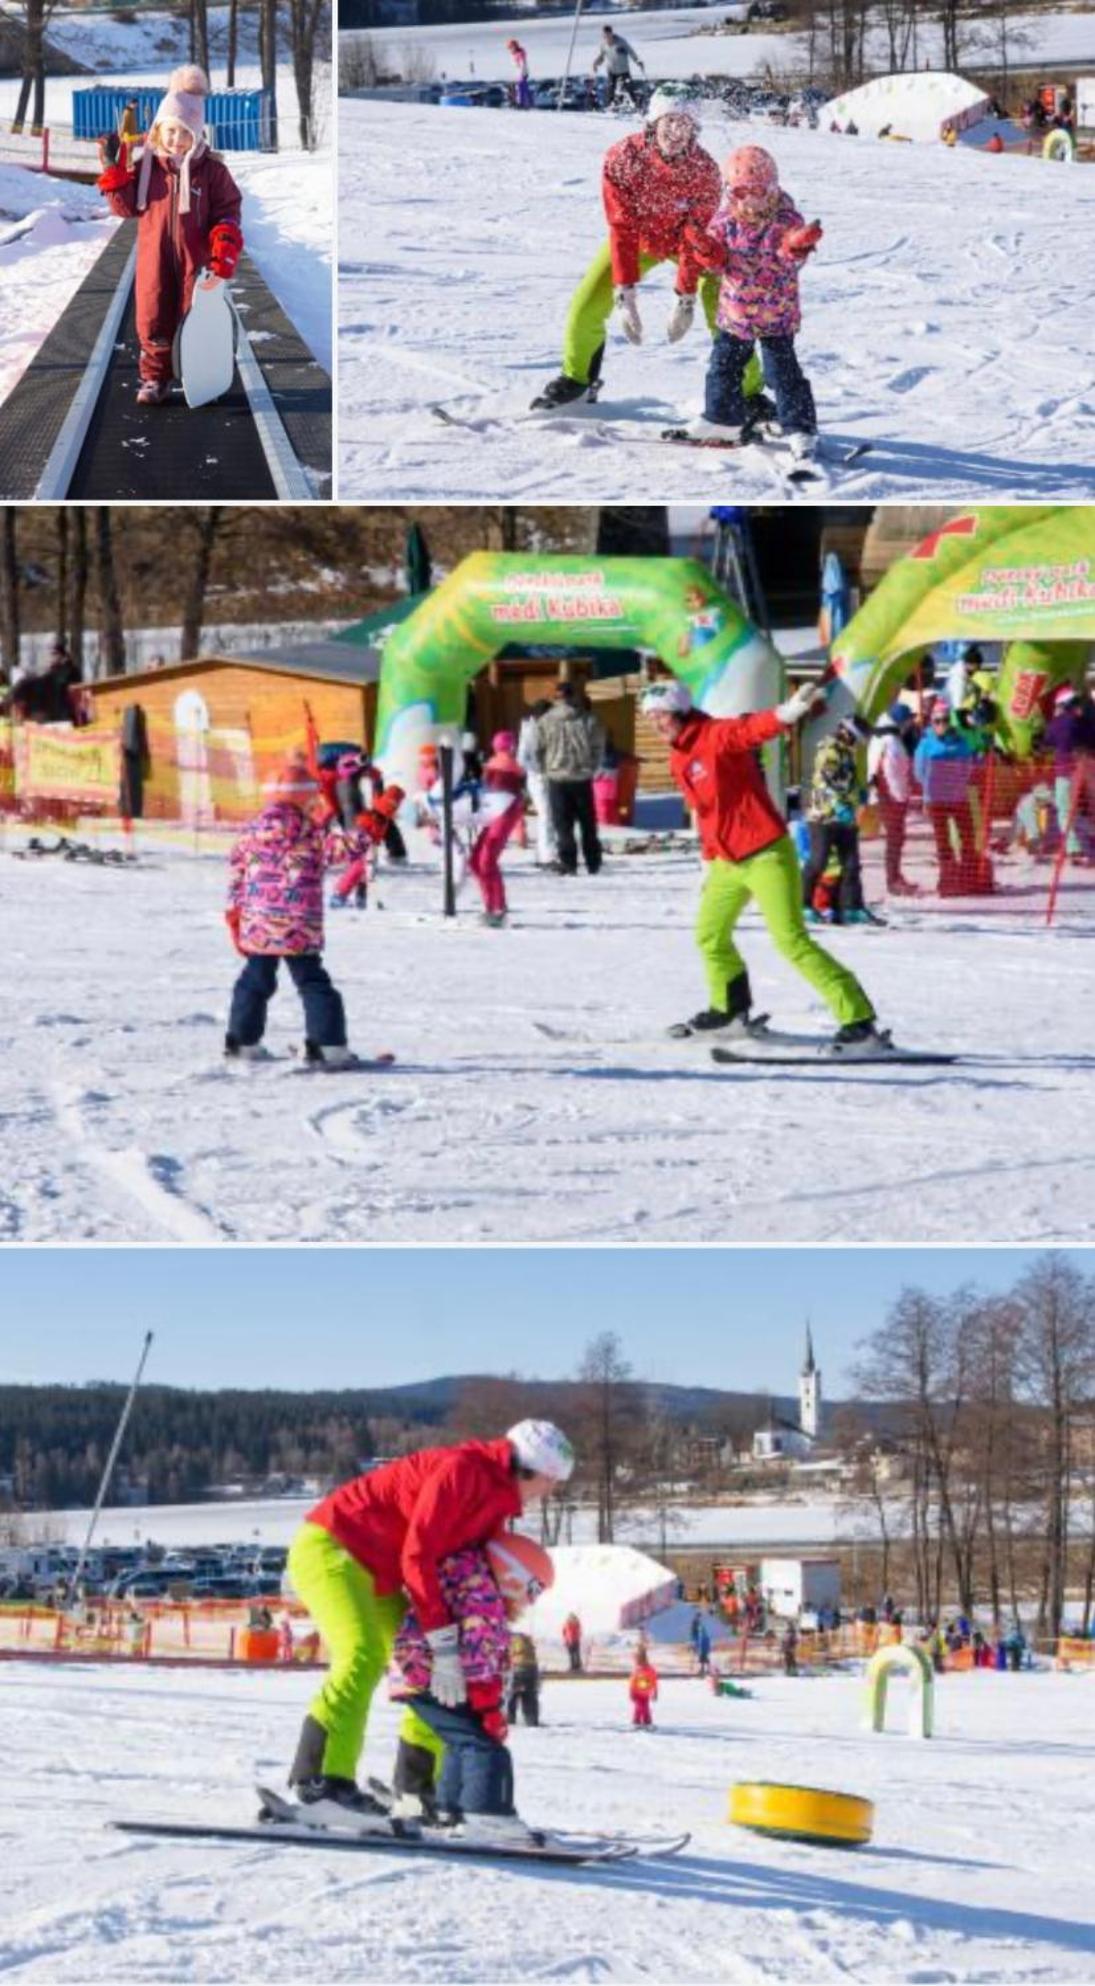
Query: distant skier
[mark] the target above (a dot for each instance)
(659, 187)
(832, 812)
(616, 55)
(187, 208)
(757, 241)
(275, 915)
(749, 855)
(373, 1546)
(643, 1690)
(501, 808)
(522, 88)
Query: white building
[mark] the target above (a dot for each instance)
(783, 1440)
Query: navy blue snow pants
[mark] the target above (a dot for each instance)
(724, 399)
(477, 1771)
(324, 1014)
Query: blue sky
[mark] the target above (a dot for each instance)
(298, 1318)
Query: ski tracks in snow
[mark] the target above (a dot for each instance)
(154, 1181)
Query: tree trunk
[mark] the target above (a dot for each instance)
(199, 33)
(233, 37)
(112, 638)
(62, 575)
(9, 590)
(78, 585)
(194, 608)
(268, 48)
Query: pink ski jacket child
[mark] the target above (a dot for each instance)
(276, 869)
(757, 240)
(476, 1605)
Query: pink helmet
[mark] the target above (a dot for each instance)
(750, 169)
(503, 741)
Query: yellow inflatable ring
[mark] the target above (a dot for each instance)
(802, 1813)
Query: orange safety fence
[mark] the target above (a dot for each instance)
(203, 1631)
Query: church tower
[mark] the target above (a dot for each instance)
(809, 1392)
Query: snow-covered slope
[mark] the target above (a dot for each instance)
(943, 317)
(979, 1869)
(534, 1097)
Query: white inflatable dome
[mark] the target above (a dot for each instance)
(918, 105)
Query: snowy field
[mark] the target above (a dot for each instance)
(534, 1098)
(979, 1869)
(957, 345)
(679, 43)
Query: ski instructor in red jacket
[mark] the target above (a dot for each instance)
(655, 184)
(748, 854)
(372, 1546)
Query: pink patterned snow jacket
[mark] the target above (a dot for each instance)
(758, 294)
(478, 1609)
(276, 879)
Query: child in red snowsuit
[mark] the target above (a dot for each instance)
(501, 806)
(643, 1691)
(187, 208)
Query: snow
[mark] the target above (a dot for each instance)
(979, 1868)
(464, 232)
(534, 1096)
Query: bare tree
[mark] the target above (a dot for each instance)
(268, 62)
(77, 585)
(9, 589)
(61, 622)
(194, 609)
(606, 1406)
(199, 33)
(1055, 1369)
(305, 17)
(112, 637)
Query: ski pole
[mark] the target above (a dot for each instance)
(570, 55)
(445, 754)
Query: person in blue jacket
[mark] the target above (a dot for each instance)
(944, 763)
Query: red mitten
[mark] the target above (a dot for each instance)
(388, 802)
(232, 919)
(495, 1726)
(225, 249)
(114, 178)
(703, 248)
(798, 243)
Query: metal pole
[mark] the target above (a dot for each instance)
(445, 754)
(108, 1471)
(570, 55)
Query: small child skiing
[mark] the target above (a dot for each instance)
(522, 88)
(758, 241)
(187, 209)
(501, 809)
(643, 1691)
(275, 913)
(453, 1766)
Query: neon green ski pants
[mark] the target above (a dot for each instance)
(358, 1626)
(591, 308)
(773, 881)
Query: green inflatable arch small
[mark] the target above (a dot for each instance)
(1021, 574)
(901, 1659)
(670, 607)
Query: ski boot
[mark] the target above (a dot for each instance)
(862, 916)
(496, 1830)
(494, 919)
(331, 1055)
(343, 1792)
(803, 446)
(566, 390)
(722, 1021)
(854, 1033)
(245, 1051)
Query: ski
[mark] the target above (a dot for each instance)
(294, 1834)
(642, 1844)
(770, 1045)
(294, 1064)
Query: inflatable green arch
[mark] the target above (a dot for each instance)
(669, 606)
(1021, 574)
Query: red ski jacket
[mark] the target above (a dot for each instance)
(405, 1516)
(650, 201)
(712, 762)
(172, 248)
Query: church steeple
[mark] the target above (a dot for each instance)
(809, 1391)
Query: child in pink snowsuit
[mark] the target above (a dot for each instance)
(501, 806)
(643, 1691)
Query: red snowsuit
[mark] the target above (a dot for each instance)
(402, 1518)
(643, 1690)
(172, 248)
(712, 760)
(650, 201)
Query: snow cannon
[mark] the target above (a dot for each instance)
(521, 1569)
(802, 1813)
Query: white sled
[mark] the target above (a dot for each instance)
(206, 349)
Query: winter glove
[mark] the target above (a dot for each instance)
(804, 701)
(495, 1726)
(703, 248)
(232, 919)
(798, 243)
(680, 318)
(388, 802)
(447, 1681)
(631, 324)
(225, 248)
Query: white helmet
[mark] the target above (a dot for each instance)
(667, 103)
(543, 1448)
(674, 697)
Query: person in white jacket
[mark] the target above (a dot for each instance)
(889, 769)
(530, 759)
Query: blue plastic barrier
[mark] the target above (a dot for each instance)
(238, 120)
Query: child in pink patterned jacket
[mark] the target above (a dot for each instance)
(275, 912)
(484, 1588)
(758, 240)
